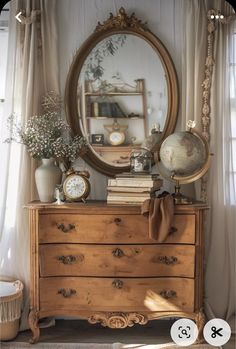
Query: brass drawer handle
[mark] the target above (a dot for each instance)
(168, 260)
(118, 253)
(65, 229)
(173, 230)
(168, 294)
(70, 259)
(66, 292)
(117, 221)
(118, 283)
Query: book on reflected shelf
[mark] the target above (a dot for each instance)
(107, 109)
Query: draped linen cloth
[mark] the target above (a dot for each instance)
(160, 213)
(32, 72)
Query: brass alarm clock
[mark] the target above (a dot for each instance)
(76, 186)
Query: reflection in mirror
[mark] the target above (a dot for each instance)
(121, 99)
(122, 87)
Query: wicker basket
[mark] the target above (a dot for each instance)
(11, 296)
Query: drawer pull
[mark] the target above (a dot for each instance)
(65, 229)
(117, 221)
(70, 259)
(168, 294)
(173, 230)
(118, 253)
(117, 283)
(66, 292)
(168, 260)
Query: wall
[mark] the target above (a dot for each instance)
(77, 20)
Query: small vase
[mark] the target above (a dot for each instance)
(47, 176)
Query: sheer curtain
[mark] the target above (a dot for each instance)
(220, 257)
(193, 60)
(221, 219)
(32, 71)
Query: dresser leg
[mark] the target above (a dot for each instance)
(34, 326)
(200, 320)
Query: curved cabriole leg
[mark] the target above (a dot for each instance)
(33, 324)
(200, 320)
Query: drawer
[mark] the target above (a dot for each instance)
(84, 228)
(116, 260)
(108, 294)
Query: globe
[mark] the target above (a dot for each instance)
(183, 158)
(182, 154)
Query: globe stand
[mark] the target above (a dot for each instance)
(176, 152)
(180, 199)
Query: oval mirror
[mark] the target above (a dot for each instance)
(121, 86)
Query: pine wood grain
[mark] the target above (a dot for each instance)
(98, 260)
(110, 228)
(99, 294)
(100, 265)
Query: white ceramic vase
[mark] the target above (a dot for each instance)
(47, 176)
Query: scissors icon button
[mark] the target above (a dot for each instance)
(216, 332)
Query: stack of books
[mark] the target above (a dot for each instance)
(128, 188)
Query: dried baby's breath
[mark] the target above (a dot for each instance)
(47, 136)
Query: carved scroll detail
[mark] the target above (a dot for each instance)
(118, 320)
(33, 324)
(122, 20)
(214, 18)
(211, 27)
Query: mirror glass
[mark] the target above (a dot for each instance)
(121, 87)
(114, 65)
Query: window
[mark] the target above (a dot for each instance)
(10, 156)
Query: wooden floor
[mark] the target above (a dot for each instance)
(77, 331)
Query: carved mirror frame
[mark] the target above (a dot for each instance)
(122, 23)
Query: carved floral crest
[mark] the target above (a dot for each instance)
(122, 20)
(118, 320)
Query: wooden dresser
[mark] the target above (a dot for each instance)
(96, 261)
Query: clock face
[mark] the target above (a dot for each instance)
(116, 137)
(75, 187)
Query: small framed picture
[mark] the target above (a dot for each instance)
(98, 138)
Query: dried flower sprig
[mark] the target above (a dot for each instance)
(52, 102)
(68, 149)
